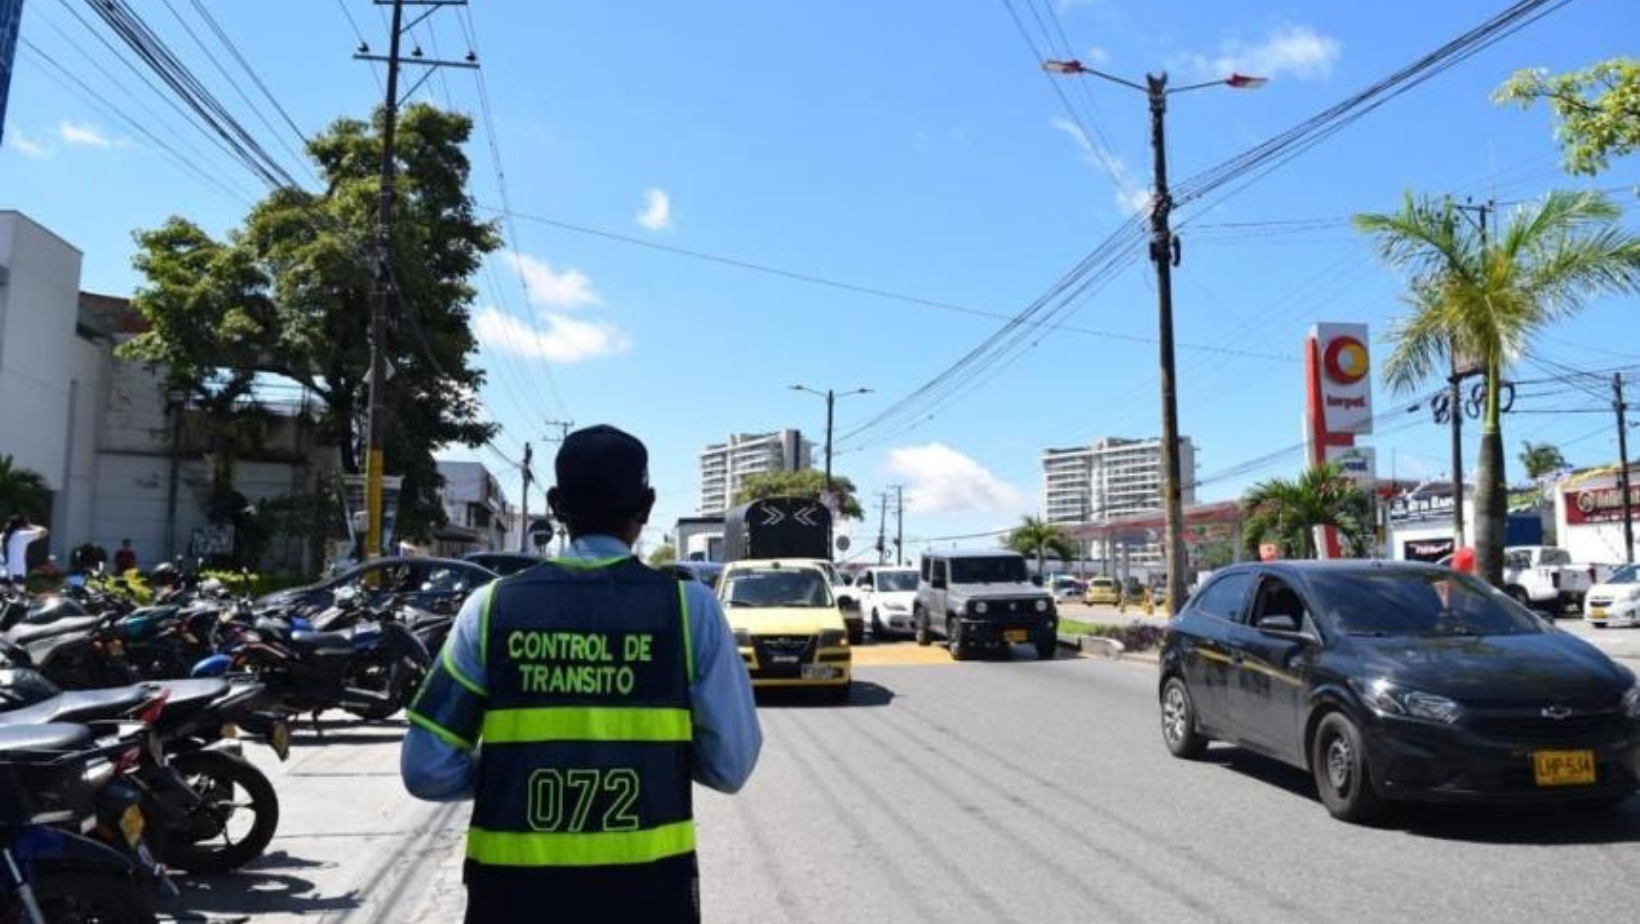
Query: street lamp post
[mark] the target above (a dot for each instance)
(831, 404)
(1164, 252)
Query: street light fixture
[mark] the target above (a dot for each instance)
(1164, 252)
(831, 402)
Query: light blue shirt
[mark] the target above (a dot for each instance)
(727, 736)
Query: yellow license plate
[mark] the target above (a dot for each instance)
(131, 824)
(1563, 768)
(1012, 636)
(1597, 613)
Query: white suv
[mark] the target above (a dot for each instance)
(983, 599)
(887, 597)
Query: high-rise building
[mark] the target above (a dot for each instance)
(724, 466)
(1111, 478)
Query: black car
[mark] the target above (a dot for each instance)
(438, 585)
(503, 563)
(1389, 680)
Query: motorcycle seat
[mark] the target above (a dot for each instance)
(319, 642)
(81, 706)
(24, 741)
(187, 695)
(26, 633)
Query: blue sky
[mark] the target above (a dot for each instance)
(910, 146)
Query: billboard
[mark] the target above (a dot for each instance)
(1345, 377)
(1599, 504)
(1358, 463)
(11, 17)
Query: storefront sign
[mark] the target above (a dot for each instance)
(1599, 505)
(1430, 550)
(1420, 508)
(1344, 378)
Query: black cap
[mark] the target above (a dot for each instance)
(602, 470)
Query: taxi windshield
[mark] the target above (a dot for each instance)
(777, 587)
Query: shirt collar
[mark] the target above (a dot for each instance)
(596, 546)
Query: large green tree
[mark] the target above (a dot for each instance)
(1040, 539)
(22, 490)
(1487, 297)
(1597, 109)
(806, 482)
(290, 293)
(1289, 512)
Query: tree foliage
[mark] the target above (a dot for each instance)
(289, 293)
(1039, 539)
(22, 490)
(806, 482)
(663, 554)
(1288, 512)
(1541, 459)
(1487, 298)
(1597, 109)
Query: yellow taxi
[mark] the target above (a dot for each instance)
(1102, 591)
(788, 625)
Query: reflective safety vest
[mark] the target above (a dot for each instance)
(583, 799)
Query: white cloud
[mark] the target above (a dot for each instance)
(562, 339)
(1289, 50)
(548, 288)
(26, 146)
(1098, 56)
(657, 210)
(1131, 196)
(84, 135)
(942, 480)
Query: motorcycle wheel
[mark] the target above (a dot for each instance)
(90, 898)
(400, 686)
(230, 787)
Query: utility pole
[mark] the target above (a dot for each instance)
(1623, 466)
(524, 510)
(1455, 394)
(1164, 252)
(562, 427)
(882, 527)
(386, 292)
(899, 529)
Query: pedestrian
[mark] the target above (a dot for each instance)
(598, 689)
(125, 558)
(18, 536)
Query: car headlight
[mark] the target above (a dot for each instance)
(1041, 606)
(833, 638)
(1631, 701)
(980, 607)
(743, 638)
(1388, 699)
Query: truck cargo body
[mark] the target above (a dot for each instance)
(777, 527)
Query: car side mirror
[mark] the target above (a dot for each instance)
(1283, 626)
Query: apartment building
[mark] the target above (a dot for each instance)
(725, 466)
(1111, 478)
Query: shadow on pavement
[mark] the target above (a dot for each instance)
(863, 693)
(259, 891)
(1540, 824)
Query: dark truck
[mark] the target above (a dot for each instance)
(777, 527)
(790, 529)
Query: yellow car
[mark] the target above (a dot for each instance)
(788, 625)
(1102, 591)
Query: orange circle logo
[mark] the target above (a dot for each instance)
(1346, 361)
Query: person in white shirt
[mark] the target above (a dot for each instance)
(19, 535)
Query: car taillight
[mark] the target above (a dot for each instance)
(155, 708)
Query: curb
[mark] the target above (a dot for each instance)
(1106, 648)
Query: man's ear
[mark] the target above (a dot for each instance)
(555, 502)
(648, 505)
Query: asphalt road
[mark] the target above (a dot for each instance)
(982, 792)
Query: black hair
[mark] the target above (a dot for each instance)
(602, 523)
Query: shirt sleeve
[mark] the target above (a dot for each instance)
(728, 738)
(437, 764)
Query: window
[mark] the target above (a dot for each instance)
(1226, 597)
(1556, 557)
(1396, 602)
(999, 569)
(1276, 598)
(895, 581)
(771, 587)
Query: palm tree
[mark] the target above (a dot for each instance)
(1034, 537)
(22, 490)
(1289, 511)
(1541, 460)
(1484, 299)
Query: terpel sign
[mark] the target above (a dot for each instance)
(1345, 380)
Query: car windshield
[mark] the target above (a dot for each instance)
(777, 587)
(1629, 574)
(1104, 583)
(895, 581)
(1000, 569)
(1417, 603)
(1556, 557)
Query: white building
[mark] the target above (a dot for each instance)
(120, 459)
(1111, 478)
(476, 507)
(1589, 514)
(725, 466)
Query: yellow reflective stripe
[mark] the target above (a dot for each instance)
(598, 848)
(586, 723)
(438, 731)
(484, 626)
(588, 564)
(688, 646)
(455, 673)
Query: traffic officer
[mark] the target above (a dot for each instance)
(574, 702)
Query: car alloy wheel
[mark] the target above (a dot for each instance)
(1340, 764)
(1179, 722)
